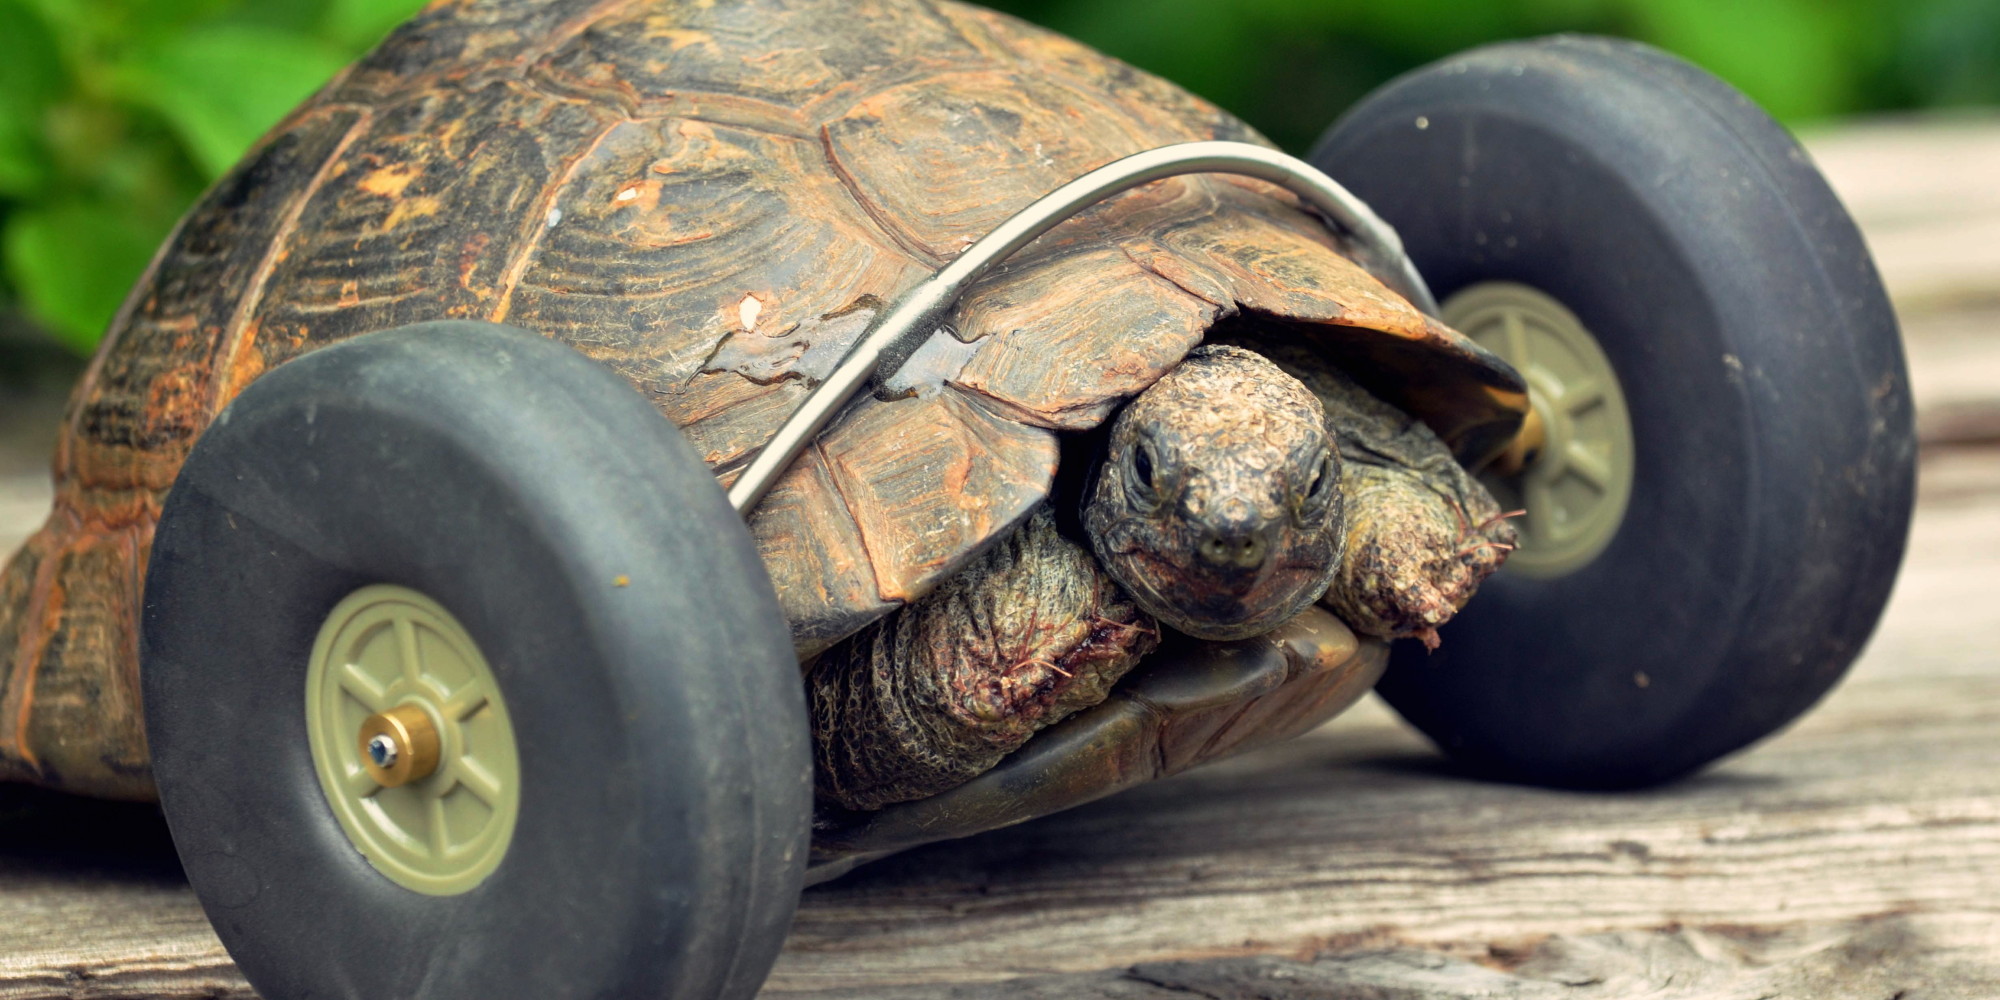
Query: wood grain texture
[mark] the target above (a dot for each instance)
(1923, 192)
(93, 905)
(1890, 957)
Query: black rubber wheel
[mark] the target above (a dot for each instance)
(1773, 462)
(664, 778)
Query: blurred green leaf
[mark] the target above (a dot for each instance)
(1952, 52)
(73, 263)
(1199, 44)
(221, 87)
(31, 77)
(1785, 53)
(1436, 26)
(23, 162)
(302, 17)
(32, 73)
(361, 23)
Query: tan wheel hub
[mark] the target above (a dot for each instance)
(412, 741)
(1571, 468)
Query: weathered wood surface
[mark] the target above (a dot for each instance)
(1856, 855)
(1923, 192)
(1889, 958)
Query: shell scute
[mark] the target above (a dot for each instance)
(421, 217)
(1166, 112)
(1281, 263)
(75, 722)
(941, 160)
(1068, 335)
(727, 417)
(931, 480)
(150, 392)
(458, 39)
(665, 230)
(812, 548)
(791, 55)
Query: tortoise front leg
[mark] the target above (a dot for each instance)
(931, 696)
(1422, 533)
(1418, 545)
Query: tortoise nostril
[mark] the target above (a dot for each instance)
(1241, 547)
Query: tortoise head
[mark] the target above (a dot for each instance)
(1218, 504)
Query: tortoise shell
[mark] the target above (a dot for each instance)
(713, 199)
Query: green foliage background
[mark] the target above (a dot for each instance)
(114, 114)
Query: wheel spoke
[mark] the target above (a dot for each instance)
(439, 835)
(1587, 466)
(477, 780)
(1540, 502)
(406, 642)
(1581, 395)
(357, 684)
(464, 702)
(413, 665)
(1516, 333)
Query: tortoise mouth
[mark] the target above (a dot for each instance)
(1210, 604)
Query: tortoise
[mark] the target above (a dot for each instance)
(717, 231)
(368, 430)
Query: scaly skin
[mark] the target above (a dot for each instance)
(1216, 506)
(1422, 534)
(1236, 531)
(1222, 509)
(937, 693)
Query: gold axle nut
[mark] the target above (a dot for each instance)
(400, 745)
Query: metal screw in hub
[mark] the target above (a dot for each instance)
(383, 752)
(400, 745)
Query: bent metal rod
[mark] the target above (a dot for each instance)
(919, 312)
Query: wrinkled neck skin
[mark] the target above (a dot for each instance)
(1217, 506)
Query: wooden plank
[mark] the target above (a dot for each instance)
(1923, 192)
(1893, 957)
(1922, 189)
(1954, 357)
(93, 905)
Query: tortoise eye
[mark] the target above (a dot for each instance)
(1321, 473)
(1140, 472)
(1320, 486)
